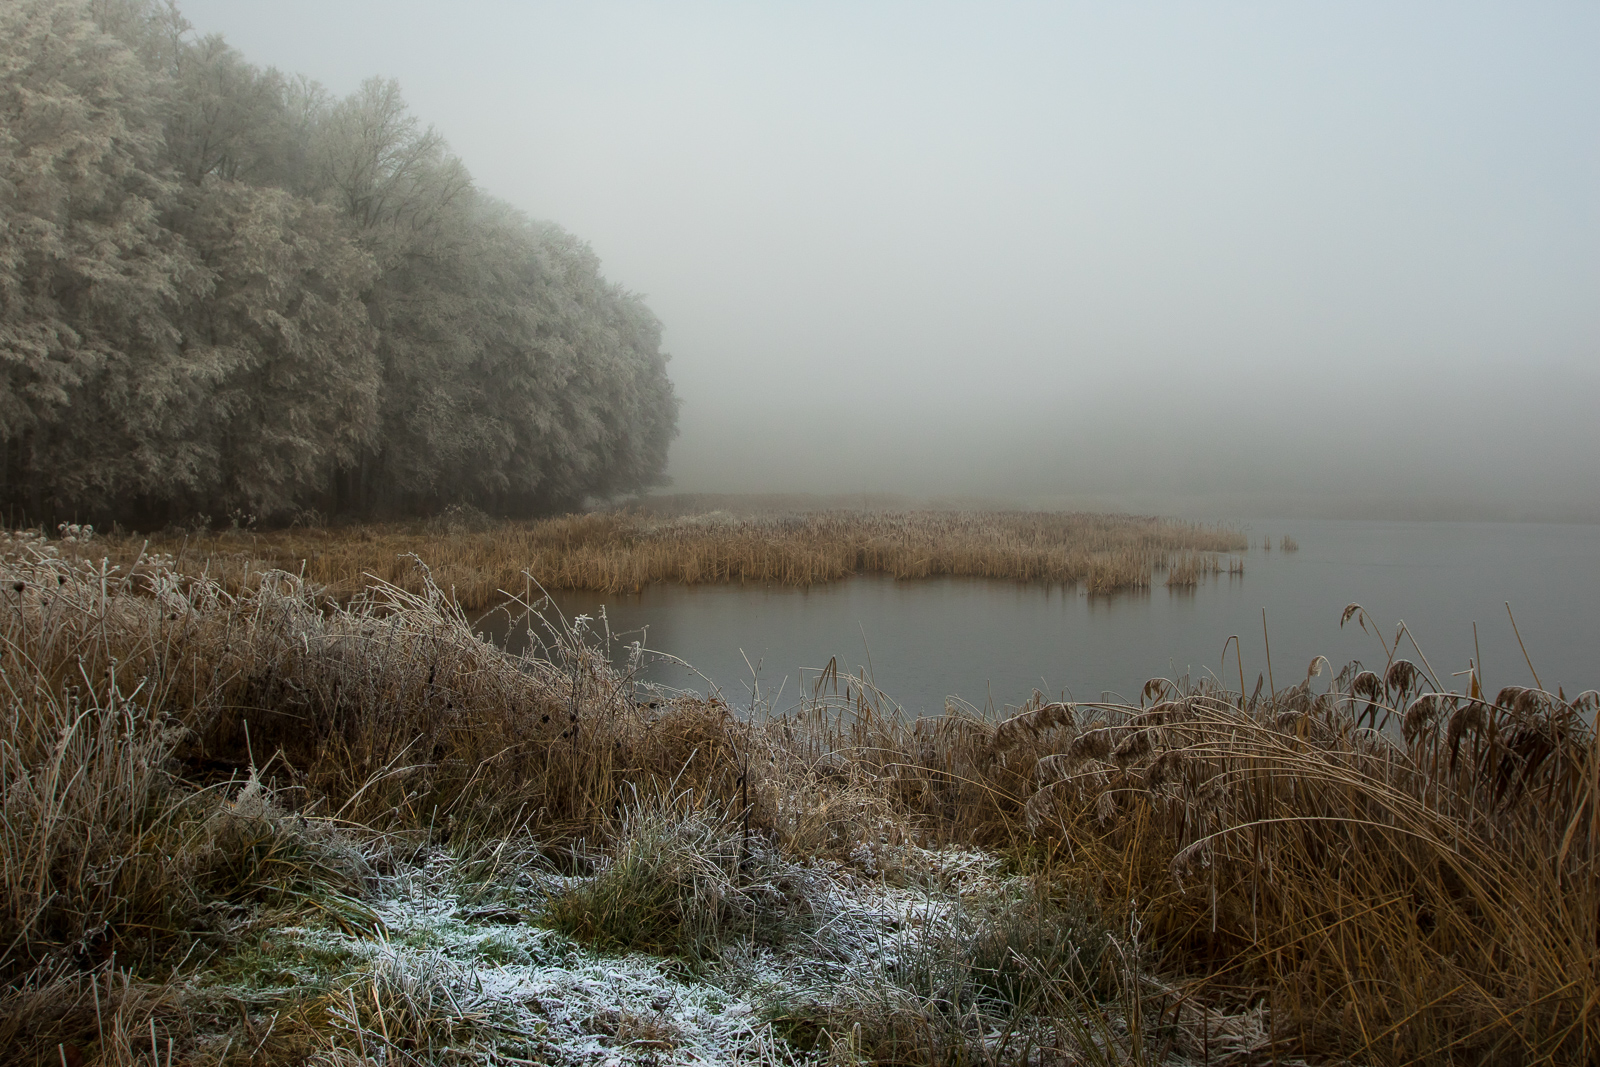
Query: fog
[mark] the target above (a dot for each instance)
(1340, 259)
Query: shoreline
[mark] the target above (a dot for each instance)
(267, 779)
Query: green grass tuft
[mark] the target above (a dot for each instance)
(680, 881)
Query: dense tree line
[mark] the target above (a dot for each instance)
(223, 291)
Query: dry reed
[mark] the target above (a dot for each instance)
(616, 551)
(174, 751)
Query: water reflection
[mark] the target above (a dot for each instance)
(993, 643)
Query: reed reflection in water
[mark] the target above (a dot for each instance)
(985, 642)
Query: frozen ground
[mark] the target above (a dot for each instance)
(445, 966)
(488, 978)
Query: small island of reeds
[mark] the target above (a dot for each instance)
(696, 540)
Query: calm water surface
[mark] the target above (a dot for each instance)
(923, 642)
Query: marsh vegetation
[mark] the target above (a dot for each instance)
(268, 797)
(478, 559)
(259, 826)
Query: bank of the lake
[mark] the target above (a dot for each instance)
(264, 826)
(927, 640)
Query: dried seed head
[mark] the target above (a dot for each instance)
(1368, 685)
(1424, 712)
(1040, 809)
(1033, 723)
(1289, 720)
(1402, 675)
(1095, 743)
(1155, 687)
(1135, 746)
(1522, 701)
(1163, 768)
(1196, 853)
(1050, 769)
(1468, 718)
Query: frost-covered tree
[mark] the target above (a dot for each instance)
(295, 397)
(229, 119)
(523, 381)
(221, 289)
(97, 388)
(390, 175)
(599, 365)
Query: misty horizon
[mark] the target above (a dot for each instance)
(1233, 261)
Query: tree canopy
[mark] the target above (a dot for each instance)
(224, 291)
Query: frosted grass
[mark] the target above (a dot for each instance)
(529, 993)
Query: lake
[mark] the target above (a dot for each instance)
(992, 643)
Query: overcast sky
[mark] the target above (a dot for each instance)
(1203, 258)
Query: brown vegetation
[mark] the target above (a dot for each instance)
(615, 551)
(1401, 874)
(1185, 572)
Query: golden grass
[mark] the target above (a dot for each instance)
(1403, 874)
(1185, 572)
(616, 551)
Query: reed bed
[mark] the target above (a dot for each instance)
(618, 551)
(1186, 571)
(1370, 867)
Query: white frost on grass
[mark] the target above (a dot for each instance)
(529, 992)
